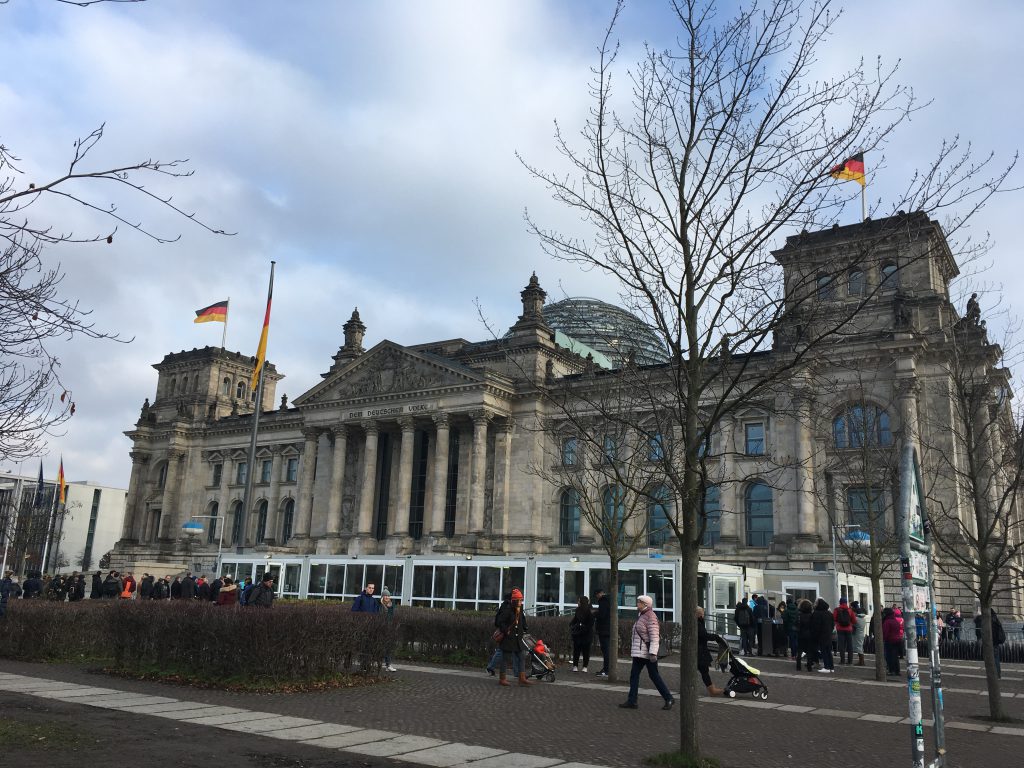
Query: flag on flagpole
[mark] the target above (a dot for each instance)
(261, 350)
(62, 485)
(39, 487)
(851, 169)
(215, 313)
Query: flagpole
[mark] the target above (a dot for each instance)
(247, 497)
(49, 530)
(224, 334)
(864, 201)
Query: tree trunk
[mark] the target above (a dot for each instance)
(995, 697)
(613, 639)
(876, 622)
(689, 734)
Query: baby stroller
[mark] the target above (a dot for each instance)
(744, 678)
(541, 665)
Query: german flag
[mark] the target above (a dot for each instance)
(215, 313)
(261, 350)
(851, 169)
(62, 483)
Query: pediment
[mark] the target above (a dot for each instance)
(390, 370)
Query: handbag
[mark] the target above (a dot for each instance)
(498, 636)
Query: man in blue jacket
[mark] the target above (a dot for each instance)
(365, 603)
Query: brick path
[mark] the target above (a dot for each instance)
(811, 718)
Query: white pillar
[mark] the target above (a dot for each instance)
(366, 492)
(439, 487)
(337, 479)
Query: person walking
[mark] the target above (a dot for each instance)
(497, 656)
(581, 629)
(744, 618)
(998, 638)
(822, 624)
(603, 627)
(892, 637)
(643, 648)
(846, 623)
(262, 595)
(511, 620)
(387, 610)
(859, 630)
(704, 655)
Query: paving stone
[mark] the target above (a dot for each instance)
(794, 708)
(313, 731)
(198, 710)
(112, 701)
(397, 746)
(153, 709)
(349, 739)
(881, 718)
(968, 726)
(265, 725)
(151, 701)
(838, 713)
(512, 760)
(452, 754)
(230, 717)
(75, 693)
(1007, 731)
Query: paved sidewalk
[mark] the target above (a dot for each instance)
(430, 715)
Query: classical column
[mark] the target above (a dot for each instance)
(806, 524)
(732, 511)
(169, 502)
(337, 479)
(479, 462)
(223, 500)
(502, 455)
(304, 502)
(400, 523)
(366, 493)
(439, 486)
(274, 497)
(134, 519)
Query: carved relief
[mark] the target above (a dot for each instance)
(391, 371)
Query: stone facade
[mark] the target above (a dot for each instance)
(427, 450)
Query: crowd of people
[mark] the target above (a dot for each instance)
(117, 586)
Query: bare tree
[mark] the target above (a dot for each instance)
(34, 310)
(725, 145)
(975, 452)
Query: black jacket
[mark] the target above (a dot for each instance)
(603, 616)
(514, 629)
(822, 624)
(97, 587)
(146, 588)
(160, 590)
(743, 616)
(188, 588)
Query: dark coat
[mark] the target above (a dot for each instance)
(582, 626)
(513, 624)
(822, 624)
(215, 588)
(703, 638)
(260, 597)
(603, 616)
(806, 638)
(33, 587)
(97, 587)
(146, 587)
(161, 591)
(743, 616)
(203, 591)
(188, 588)
(111, 586)
(365, 603)
(176, 589)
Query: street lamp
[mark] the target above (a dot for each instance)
(192, 528)
(835, 563)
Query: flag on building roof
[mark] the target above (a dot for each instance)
(62, 485)
(38, 503)
(261, 350)
(851, 169)
(215, 313)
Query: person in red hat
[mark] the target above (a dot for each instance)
(511, 620)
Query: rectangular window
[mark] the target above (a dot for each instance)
(753, 438)
(218, 471)
(265, 470)
(611, 449)
(241, 473)
(655, 447)
(292, 470)
(864, 505)
(569, 450)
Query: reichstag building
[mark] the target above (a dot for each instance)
(414, 466)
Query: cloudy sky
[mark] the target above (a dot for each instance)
(369, 148)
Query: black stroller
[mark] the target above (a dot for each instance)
(744, 678)
(542, 666)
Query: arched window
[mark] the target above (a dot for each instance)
(570, 451)
(760, 515)
(658, 529)
(195, 384)
(713, 516)
(610, 449)
(856, 284)
(240, 390)
(288, 520)
(225, 386)
(261, 521)
(890, 277)
(569, 517)
(211, 532)
(161, 476)
(862, 425)
(826, 287)
(613, 507)
(655, 447)
(172, 385)
(236, 522)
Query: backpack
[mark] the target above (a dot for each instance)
(998, 634)
(843, 617)
(742, 618)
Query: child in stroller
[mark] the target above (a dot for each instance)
(744, 678)
(542, 666)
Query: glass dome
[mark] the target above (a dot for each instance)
(610, 330)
